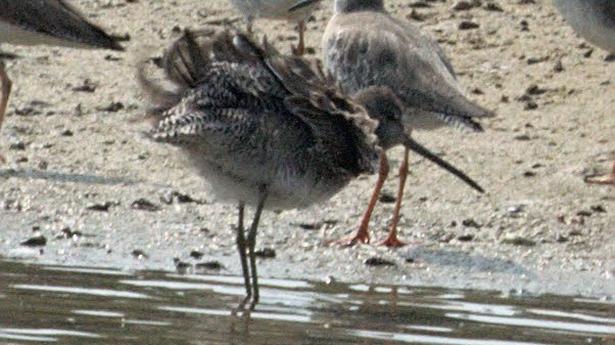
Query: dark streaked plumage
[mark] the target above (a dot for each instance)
(48, 22)
(264, 129)
(363, 46)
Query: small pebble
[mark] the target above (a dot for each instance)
(468, 25)
(387, 198)
(465, 238)
(265, 253)
(209, 266)
(139, 254)
(517, 240)
(377, 261)
(182, 266)
(100, 207)
(195, 254)
(36, 241)
(144, 205)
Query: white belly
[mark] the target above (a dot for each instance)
(589, 22)
(287, 189)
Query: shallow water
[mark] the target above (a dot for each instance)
(40, 304)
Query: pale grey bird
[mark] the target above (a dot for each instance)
(594, 20)
(45, 22)
(296, 11)
(364, 46)
(268, 130)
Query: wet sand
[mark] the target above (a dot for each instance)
(79, 170)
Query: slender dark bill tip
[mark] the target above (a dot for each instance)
(424, 152)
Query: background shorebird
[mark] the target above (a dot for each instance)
(594, 20)
(297, 11)
(364, 46)
(265, 130)
(48, 22)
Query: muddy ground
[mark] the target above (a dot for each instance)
(80, 174)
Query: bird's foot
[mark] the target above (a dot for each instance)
(392, 242)
(297, 50)
(608, 179)
(603, 180)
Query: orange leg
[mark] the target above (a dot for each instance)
(6, 85)
(362, 235)
(392, 240)
(300, 48)
(605, 179)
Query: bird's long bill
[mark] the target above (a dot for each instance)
(301, 4)
(423, 151)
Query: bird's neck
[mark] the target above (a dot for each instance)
(347, 6)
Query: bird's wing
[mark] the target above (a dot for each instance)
(253, 84)
(56, 18)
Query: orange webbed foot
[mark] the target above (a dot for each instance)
(608, 179)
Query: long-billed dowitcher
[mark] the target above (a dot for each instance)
(265, 130)
(296, 11)
(364, 46)
(48, 22)
(268, 130)
(594, 20)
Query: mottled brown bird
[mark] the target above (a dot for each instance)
(264, 130)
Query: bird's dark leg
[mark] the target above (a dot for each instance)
(6, 85)
(252, 243)
(299, 50)
(392, 240)
(241, 247)
(362, 234)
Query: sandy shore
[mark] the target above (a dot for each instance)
(79, 170)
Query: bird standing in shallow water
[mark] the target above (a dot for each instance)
(363, 46)
(268, 130)
(265, 130)
(594, 20)
(292, 10)
(45, 22)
